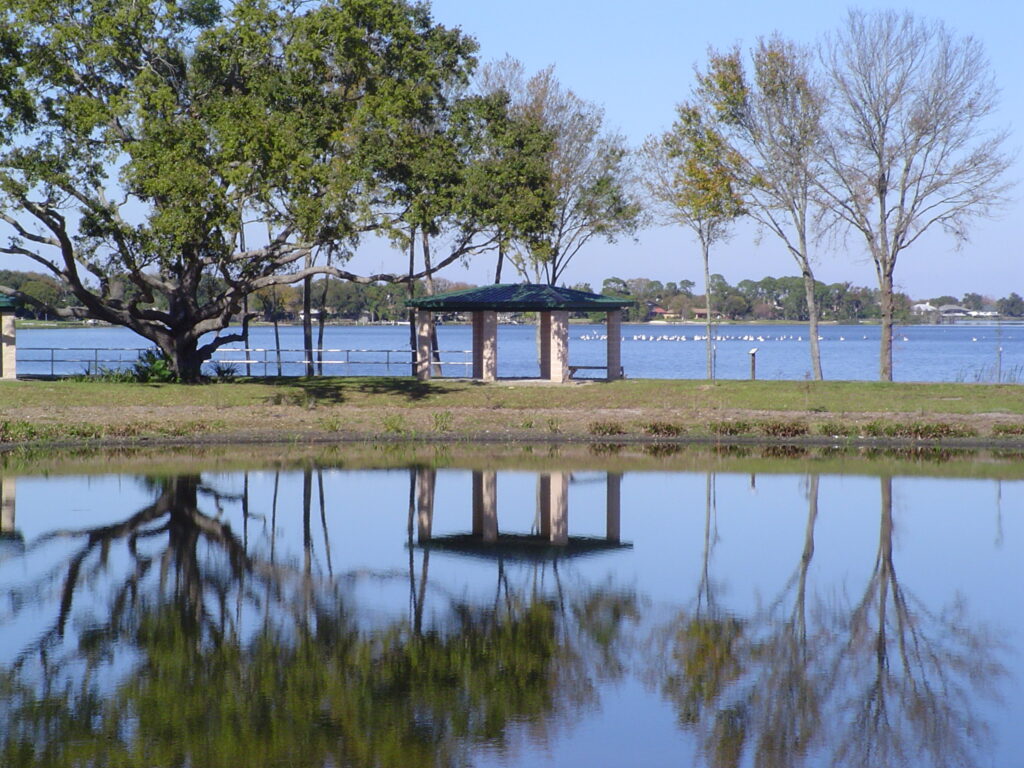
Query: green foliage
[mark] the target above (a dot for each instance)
(153, 367)
(196, 120)
(393, 424)
(662, 429)
(605, 428)
(443, 421)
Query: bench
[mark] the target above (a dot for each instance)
(574, 368)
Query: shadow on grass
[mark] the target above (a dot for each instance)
(337, 390)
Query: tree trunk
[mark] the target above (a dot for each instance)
(812, 324)
(307, 324)
(277, 331)
(320, 328)
(885, 352)
(182, 355)
(435, 351)
(707, 308)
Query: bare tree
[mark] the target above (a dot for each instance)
(772, 123)
(688, 179)
(590, 175)
(910, 143)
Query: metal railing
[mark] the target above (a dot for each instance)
(64, 361)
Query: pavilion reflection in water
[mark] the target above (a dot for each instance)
(550, 539)
(11, 540)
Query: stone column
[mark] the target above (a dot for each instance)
(559, 357)
(6, 504)
(614, 354)
(489, 345)
(8, 348)
(613, 507)
(560, 508)
(485, 505)
(553, 500)
(544, 343)
(422, 344)
(478, 345)
(544, 504)
(425, 482)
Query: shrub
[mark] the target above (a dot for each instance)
(606, 428)
(662, 429)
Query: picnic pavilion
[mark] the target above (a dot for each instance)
(554, 305)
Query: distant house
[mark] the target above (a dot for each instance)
(656, 314)
(925, 308)
(954, 310)
(700, 313)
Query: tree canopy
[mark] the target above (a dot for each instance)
(147, 144)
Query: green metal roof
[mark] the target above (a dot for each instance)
(509, 297)
(6, 302)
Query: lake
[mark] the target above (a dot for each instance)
(963, 352)
(410, 606)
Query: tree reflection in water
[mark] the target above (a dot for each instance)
(172, 640)
(178, 673)
(882, 682)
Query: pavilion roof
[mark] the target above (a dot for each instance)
(518, 297)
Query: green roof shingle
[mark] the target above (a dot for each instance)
(517, 297)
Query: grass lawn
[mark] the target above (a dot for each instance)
(371, 407)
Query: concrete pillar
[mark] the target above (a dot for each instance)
(8, 348)
(6, 504)
(559, 357)
(560, 508)
(478, 345)
(553, 500)
(613, 506)
(422, 344)
(544, 343)
(485, 345)
(425, 483)
(489, 350)
(485, 505)
(614, 354)
(544, 504)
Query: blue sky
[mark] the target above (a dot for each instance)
(636, 60)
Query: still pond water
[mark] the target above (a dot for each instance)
(581, 613)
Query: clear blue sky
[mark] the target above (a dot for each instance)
(636, 60)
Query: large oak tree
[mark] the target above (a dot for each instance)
(145, 141)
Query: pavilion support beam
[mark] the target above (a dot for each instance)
(485, 345)
(614, 355)
(559, 353)
(613, 507)
(423, 326)
(485, 505)
(544, 343)
(8, 348)
(6, 504)
(553, 501)
(426, 480)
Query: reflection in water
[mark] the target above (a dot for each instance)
(169, 637)
(880, 682)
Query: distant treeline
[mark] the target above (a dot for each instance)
(771, 298)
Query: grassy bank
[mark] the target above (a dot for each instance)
(363, 408)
